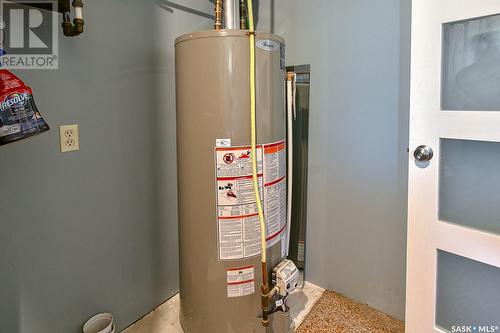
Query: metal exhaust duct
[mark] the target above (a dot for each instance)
(231, 14)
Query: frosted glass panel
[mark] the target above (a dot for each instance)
(468, 294)
(471, 65)
(469, 184)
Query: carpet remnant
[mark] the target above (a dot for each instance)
(334, 313)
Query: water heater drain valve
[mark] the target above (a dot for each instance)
(285, 277)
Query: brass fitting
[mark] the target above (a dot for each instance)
(75, 28)
(265, 304)
(243, 15)
(218, 15)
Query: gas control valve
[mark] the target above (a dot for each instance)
(285, 277)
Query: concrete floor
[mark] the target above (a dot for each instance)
(165, 318)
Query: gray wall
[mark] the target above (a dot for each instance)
(359, 56)
(96, 230)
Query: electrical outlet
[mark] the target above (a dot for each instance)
(69, 138)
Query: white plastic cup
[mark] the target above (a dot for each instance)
(100, 323)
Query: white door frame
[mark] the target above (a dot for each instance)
(427, 125)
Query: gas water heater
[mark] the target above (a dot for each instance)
(219, 231)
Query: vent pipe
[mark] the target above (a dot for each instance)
(231, 14)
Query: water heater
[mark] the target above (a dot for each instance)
(219, 232)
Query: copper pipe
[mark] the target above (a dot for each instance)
(218, 15)
(75, 28)
(264, 292)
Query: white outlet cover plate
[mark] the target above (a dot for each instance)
(69, 138)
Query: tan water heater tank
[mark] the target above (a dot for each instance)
(219, 237)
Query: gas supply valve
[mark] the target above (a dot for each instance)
(285, 276)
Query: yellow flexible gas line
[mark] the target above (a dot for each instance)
(265, 286)
(254, 134)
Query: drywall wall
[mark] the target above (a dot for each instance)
(96, 230)
(359, 55)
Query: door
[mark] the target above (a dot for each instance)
(453, 274)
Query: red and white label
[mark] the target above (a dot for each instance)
(275, 190)
(240, 281)
(238, 220)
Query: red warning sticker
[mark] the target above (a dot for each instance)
(238, 220)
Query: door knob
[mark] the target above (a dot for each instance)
(423, 153)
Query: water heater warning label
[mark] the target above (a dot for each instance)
(240, 281)
(238, 220)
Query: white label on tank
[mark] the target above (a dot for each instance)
(223, 142)
(240, 281)
(237, 215)
(275, 191)
(268, 45)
